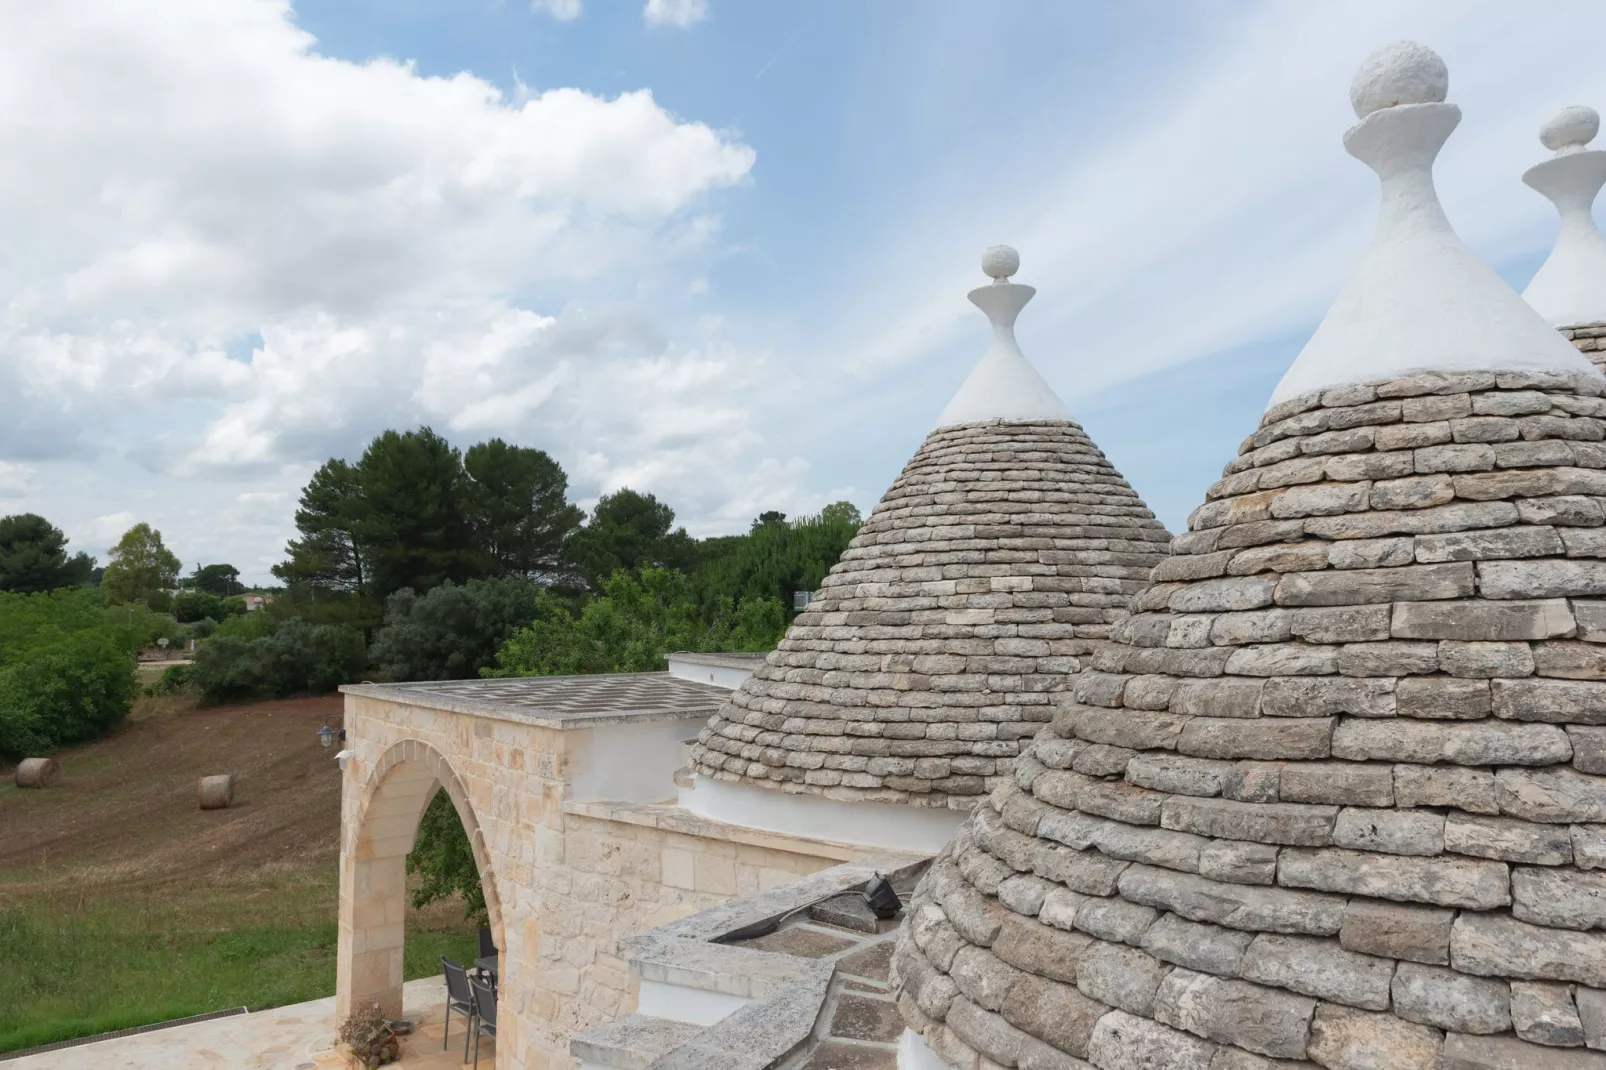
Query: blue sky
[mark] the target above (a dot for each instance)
(723, 259)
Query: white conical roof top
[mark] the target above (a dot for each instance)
(1570, 288)
(1420, 300)
(1004, 385)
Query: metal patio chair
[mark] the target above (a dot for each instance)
(459, 997)
(484, 1016)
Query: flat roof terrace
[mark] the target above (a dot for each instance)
(559, 701)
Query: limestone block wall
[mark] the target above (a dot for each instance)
(621, 875)
(1590, 338)
(565, 879)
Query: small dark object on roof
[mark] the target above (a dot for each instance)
(883, 901)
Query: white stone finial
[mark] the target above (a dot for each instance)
(1569, 289)
(1419, 300)
(1401, 73)
(1569, 130)
(1004, 385)
(1000, 262)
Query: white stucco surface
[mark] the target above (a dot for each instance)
(1420, 299)
(629, 762)
(1570, 287)
(1004, 385)
(914, 1055)
(679, 1003)
(721, 670)
(895, 826)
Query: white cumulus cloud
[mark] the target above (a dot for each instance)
(680, 13)
(230, 257)
(562, 10)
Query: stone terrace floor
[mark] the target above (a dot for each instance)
(860, 1020)
(297, 1037)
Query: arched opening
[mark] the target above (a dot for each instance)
(373, 873)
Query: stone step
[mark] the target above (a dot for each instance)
(630, 1043)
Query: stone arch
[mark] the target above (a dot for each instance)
(373, 872)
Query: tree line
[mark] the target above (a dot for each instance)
(439, 555)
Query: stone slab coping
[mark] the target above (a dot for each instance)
(633, 1042)
(730, 660)
(672, 818)
(559, 701)
(788, 991)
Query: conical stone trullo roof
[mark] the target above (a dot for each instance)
(942, 639)
(1569, 289)
(1336, 796)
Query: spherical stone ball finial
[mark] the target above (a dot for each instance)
(1402, 73)
(1570, 128)
(1000, 262)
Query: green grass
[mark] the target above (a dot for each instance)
(88, 962)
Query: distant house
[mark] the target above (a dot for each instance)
(254, 602)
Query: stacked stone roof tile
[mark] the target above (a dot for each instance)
(1336, 794)
(944, 637)
(1340, 785)
(1590, 338)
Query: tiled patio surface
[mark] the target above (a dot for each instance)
(297, 1037)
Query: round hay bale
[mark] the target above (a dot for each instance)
(217, 792)
(36, 772)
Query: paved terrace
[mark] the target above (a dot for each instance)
(297, 1037)
(792, 978)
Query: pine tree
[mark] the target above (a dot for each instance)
(517, 509)
(412, 524)
(327, 556)
(33, 556)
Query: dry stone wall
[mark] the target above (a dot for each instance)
(1336, 794)
(1590, 338)
(944, 637)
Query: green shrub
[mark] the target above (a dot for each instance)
(452, 632)
(192, 606)
(297, 657)
(174, 679)
(69, 691)
(139, 626)
(637, 621)
(229, 669)
(315, 657)
(257, 625)
(66, 667)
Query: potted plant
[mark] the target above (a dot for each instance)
(368, 1040)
